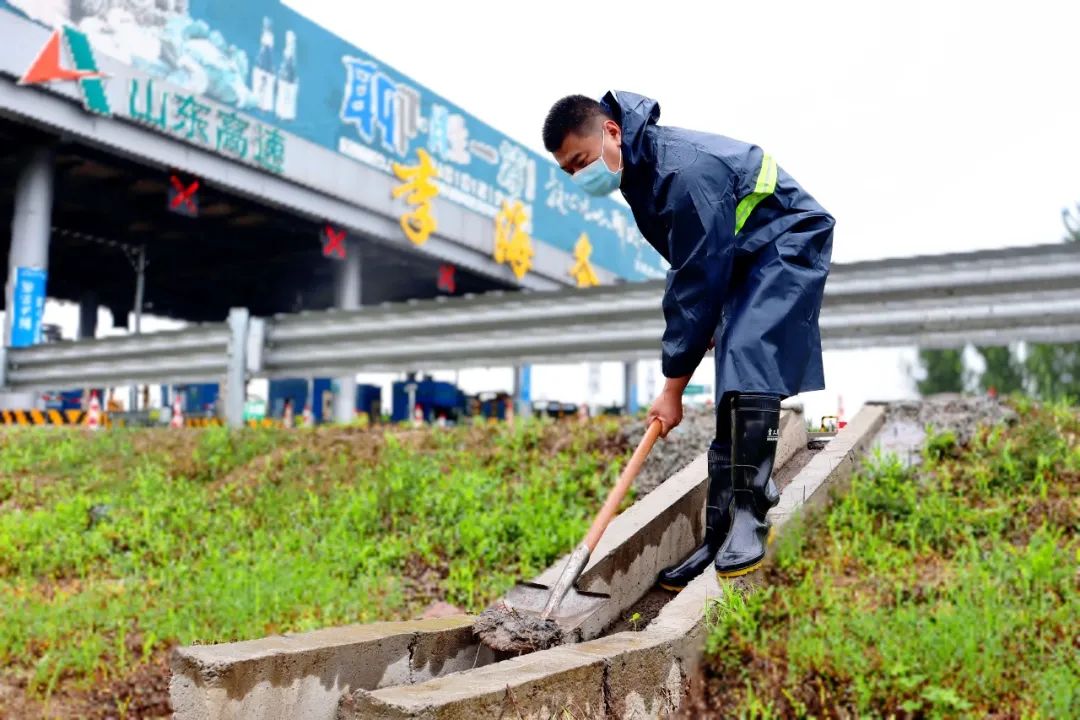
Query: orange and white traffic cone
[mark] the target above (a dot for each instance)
(177, 420)
(93, 413)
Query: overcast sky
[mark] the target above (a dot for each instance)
(924, 127)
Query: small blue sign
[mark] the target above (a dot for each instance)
(28, 306)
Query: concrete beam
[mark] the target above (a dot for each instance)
(540, 685)
(304, 675)
(831, 468)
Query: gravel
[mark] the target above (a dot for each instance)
(906, 421)
(686, 442)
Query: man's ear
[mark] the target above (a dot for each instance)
(612, 129)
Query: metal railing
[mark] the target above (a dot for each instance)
(986, 297)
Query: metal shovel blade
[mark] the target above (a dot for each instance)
(576, 607)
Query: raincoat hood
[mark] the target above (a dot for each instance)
(635, 114)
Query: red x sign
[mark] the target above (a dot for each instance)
(333, 242)
(446, 281)
(182, 199)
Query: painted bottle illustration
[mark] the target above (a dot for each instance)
(287, 82)
(262, 75)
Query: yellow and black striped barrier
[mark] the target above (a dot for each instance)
(217, 422)
(46, 417)
(78, 417)
(41, 417)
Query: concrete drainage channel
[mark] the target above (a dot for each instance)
(437, 669)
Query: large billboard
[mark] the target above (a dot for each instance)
(293, 77)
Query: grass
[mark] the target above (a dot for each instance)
(116, 545)
(946, 591)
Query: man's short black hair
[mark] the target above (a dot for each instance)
(572, 114)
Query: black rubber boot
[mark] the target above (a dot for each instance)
(717, 521)
(755, 435)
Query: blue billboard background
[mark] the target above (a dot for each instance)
(278, 66)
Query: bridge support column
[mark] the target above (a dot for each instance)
(347, 292)
(28, 260)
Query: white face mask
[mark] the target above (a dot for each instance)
(596, 178)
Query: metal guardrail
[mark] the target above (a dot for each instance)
(986, 297)
(189, 354)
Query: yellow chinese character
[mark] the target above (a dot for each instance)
(582, 271)
(512, 244)
(417, 181)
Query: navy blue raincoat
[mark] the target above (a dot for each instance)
(749, 251)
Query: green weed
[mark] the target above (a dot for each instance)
(950, 591)
(117, 545)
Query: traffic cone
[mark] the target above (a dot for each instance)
(510, 413)
(177, 420)
(306, 420)
(93, 414)
(418, 416)
(287, 415)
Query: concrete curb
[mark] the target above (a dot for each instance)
(625, 675)
(304, 675)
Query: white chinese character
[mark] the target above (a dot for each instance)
(516, 174)
(26, 323)
(556, 194)
(618, 223)
(448, 137)
(457, 134)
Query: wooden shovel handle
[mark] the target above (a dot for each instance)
(611, 505)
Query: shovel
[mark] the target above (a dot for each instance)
(536, 616)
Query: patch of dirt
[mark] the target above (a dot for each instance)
(713, 692)
(421, 583)
(143, 693)
(643, 612)
(1062, 511)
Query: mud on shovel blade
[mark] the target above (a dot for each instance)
(534, 616)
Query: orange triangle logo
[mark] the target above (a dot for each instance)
(47, 68)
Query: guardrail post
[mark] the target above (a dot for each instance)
(235, 389)
(630, 379)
